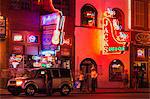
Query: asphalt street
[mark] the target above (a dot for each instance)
(83, 96)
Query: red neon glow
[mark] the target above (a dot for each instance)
(114, 38)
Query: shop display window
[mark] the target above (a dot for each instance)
(88, 16)
(140, 52)
(115, 70)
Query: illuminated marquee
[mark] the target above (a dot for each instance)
(114, 39)
(52, 25)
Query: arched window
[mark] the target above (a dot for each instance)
(116, 69)
(120, 16)
(88, 16)
(87, 64)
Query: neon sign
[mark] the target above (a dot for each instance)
(50, 19)
(18, 37)
(140, 53)
(32, 39)
(67, 41)
(52, 25)
(114, 39)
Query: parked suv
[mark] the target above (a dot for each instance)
(61, 81)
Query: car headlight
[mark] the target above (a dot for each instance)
(19, 82)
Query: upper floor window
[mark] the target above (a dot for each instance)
(139, 13)
(88, 15)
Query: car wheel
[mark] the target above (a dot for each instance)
(30, 90)
(65, 90)
(15, 93)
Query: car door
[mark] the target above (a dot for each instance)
(39, 79)
(56, 80)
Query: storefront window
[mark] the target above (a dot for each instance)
(88, 15)
(115, 70)
(140, 53)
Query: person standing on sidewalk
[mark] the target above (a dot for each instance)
(81, 79)
(135, 79)
(93, 77)
(125, 78)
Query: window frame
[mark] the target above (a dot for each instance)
(83, 9)
(111, 71)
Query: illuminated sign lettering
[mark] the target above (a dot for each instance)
(121, 48)
(143, 38)
(114, 39)
(50, 19)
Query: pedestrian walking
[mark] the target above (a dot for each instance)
(81, 79)
(93, 77)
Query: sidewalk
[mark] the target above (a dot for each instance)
(98, 91)
(116, 90)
